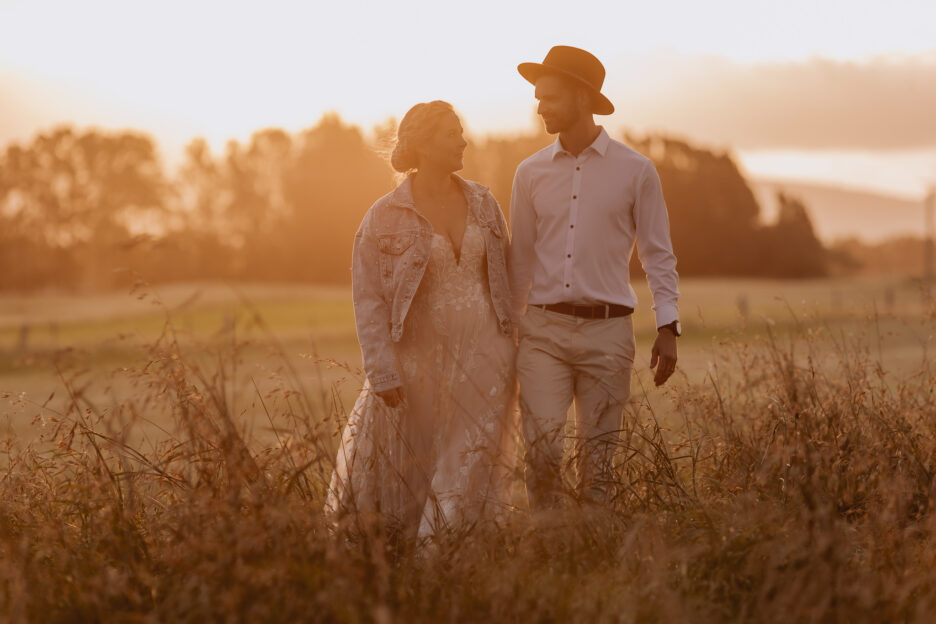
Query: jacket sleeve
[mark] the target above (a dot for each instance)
(372, 312)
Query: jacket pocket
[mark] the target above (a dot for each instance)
(395, 244)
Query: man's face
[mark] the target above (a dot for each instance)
(560, 103)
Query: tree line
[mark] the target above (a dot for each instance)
(94, 209)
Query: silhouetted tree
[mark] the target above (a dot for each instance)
(790, 247)
(84, 195)
(200, 191)
(900, 255)
(196, 243)
(713, 213)
(257, 212)
(285, 207)
(334, 178)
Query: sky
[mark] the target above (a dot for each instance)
(824, 91)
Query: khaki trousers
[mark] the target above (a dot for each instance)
(562, 358)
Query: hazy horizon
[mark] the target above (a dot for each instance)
(835, 93)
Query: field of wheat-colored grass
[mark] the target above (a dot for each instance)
(165, 456)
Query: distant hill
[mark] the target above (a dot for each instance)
(842, 213)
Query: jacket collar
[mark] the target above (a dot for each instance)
(402, 195)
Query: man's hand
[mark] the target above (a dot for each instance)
(664, 354)
(392, 397)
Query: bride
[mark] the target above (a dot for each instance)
(426, 445)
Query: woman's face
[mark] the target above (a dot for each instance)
(445, 148)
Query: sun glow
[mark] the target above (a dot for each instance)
(222, 70)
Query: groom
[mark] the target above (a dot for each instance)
(577, 209)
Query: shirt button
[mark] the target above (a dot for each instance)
(578, 168)
(571, 226)
(568, 255)
(575, 197)
(567, 285)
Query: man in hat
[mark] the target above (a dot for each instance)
(577, 209)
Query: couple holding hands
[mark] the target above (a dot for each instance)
(455, 312)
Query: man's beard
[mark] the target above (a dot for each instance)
(557, 124)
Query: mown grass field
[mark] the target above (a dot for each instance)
(98, 336)
(165, 455)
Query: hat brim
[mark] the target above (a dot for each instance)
(533, 71)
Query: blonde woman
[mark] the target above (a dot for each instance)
(424, 446)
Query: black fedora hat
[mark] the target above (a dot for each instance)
(576, 64)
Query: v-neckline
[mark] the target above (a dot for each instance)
(461, 246)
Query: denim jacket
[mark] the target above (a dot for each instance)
(391, 250)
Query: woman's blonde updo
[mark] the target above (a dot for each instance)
(417, 126)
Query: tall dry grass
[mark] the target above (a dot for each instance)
(798, 487)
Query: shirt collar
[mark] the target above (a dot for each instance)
(599, 145)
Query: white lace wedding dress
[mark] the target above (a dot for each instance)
(443, 459)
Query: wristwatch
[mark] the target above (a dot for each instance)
(674, 327)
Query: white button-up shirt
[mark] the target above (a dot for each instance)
(574, 222)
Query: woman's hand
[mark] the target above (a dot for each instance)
(392, 397)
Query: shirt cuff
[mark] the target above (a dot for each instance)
(666, 314)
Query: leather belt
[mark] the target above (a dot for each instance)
(600, 311)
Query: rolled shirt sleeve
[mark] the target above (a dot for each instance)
(655, 247)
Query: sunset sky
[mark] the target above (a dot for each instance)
(838, 92)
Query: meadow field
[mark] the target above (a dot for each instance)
(96, 339)
(166, 451)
